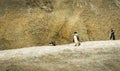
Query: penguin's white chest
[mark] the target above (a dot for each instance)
(75, 39)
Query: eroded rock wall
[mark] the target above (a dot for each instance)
(25, 23)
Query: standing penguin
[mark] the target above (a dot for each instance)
(112, 34)
(76, 39)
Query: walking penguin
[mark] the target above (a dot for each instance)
(76, 39)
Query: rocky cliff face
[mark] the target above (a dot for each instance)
(25, 23)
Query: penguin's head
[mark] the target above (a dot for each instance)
(75, 32)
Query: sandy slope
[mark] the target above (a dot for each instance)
(90, 56)
(41, 50)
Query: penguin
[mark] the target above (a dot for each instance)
(52, 43)
(76, 39)
(112, 34)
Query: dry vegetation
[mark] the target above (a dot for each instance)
(25, 23)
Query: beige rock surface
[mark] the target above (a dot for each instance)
(90, 56)
(25, 23)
